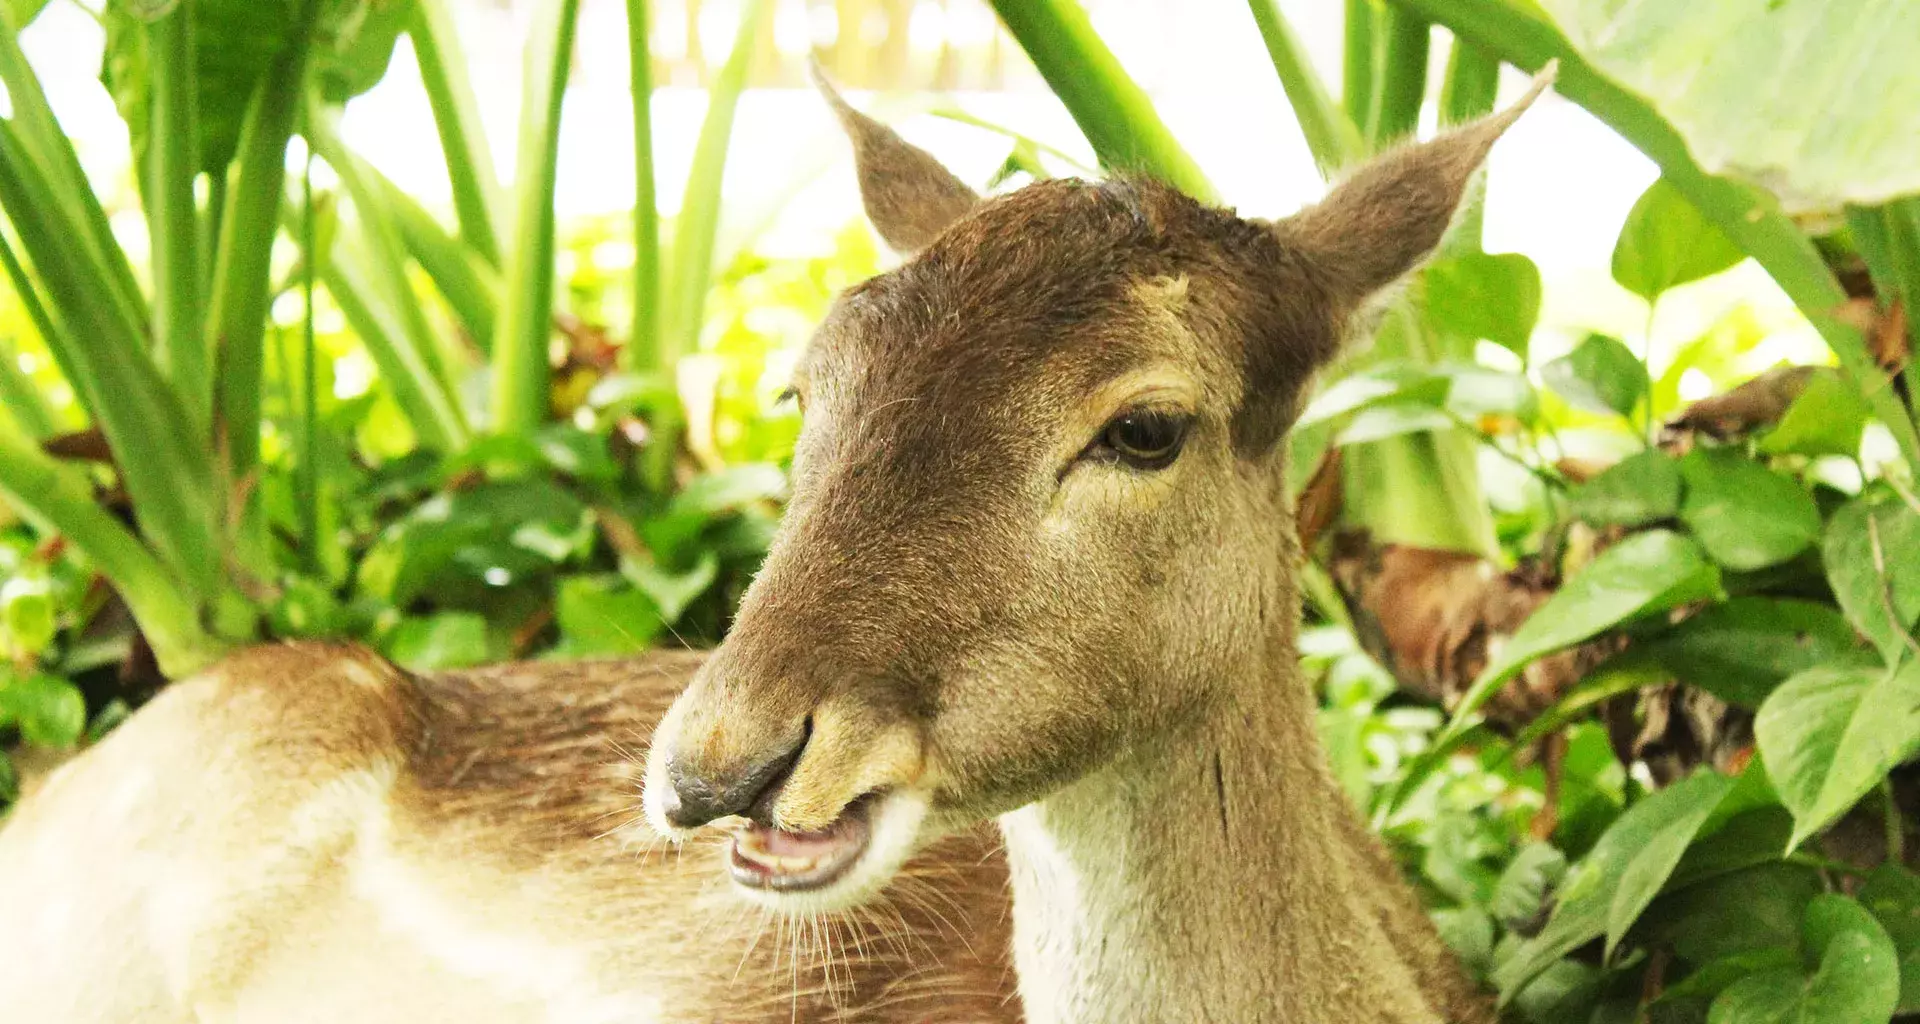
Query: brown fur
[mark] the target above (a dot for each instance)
(511, 795)
(969, 609)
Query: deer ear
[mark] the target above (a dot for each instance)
(1391, 213)
(909, 196)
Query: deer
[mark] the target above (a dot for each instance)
(1036, 574)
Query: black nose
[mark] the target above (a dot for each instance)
(699, 794)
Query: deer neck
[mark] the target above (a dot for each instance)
(1218, 874)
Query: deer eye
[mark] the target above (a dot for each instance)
(1143, 438)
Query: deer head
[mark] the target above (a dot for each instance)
(1038, 513)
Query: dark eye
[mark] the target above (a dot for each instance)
(1143, 438)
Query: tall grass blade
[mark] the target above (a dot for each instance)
(430, 411)
(52, 333)
(179, 342)
(520, 370)
(1473, 80)
(162, 460)
(1402, 79)
(468, 282)
(61, 500)
(456, 114)
(643, 344)
(1110, 108)
(1331, 136)
(699, 221)
(1359, 61)
(237, 310)
(382, 255)
(23, 401)
(306, 480)
(39, 135)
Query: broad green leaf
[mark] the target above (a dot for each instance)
(1648, 572)
(672, 592)
(1666, 243)
(1851, 974)
(1892, 895)
(599, 615)
(234, 41)
(442, 640)
(1485, 295)
(1613, 883)
(1468, 931)
(1739, 650)
(731, 488)
(1750, 838)
(1394, 381)
(1830, 734)
(1872, 554)
(1746, 516)
(48, 709)
(1640, 489)
(1803, 97)
(1600, 375)
(1736, 913)
(1827, 419)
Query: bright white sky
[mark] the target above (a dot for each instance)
(1560, 185)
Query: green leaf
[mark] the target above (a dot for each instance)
(672, 592)
(1485, 295)
(1827, 419)
(1666, 242)
(1528, 882)
(597, 615)
(1892, 895)
(1854, 979)
(439, 641)
(1600, 375)
(1831, 734)
(234, 43)
(9, 780)
(728, 489)
(1605, 892)
(1741, 649)
(48, 709)
(1640, 489)
(1737, 913)
(1648, 572)
(28, 619)
(1391, 419)
(1746, 516)
(1797, 97)
(1872, 553)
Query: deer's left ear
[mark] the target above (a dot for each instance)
(1389, 215)
(909, 196)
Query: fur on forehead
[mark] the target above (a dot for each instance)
(1070, 272)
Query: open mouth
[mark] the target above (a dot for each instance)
(764, 857)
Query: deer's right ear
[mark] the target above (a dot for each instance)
(909, 196)
(1389, 215)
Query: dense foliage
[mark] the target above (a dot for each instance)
(1628, 683)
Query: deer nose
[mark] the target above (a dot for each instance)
(698, 794)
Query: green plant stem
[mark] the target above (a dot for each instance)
(1110, 108)
(307, 468)
(22, 401)
(520, 370)
(1331, 135)
(697, 226)
(643, 343)
(162, 460)
(470, 285)
(1896, 823)
(1473, 80)
(237, 310)
(1403, 77)
(173, 157)
(456, 114)
(52, 333)
(405, 347)
(38, 132)
(61, 501)
(1358, 61)
(1747, 216)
